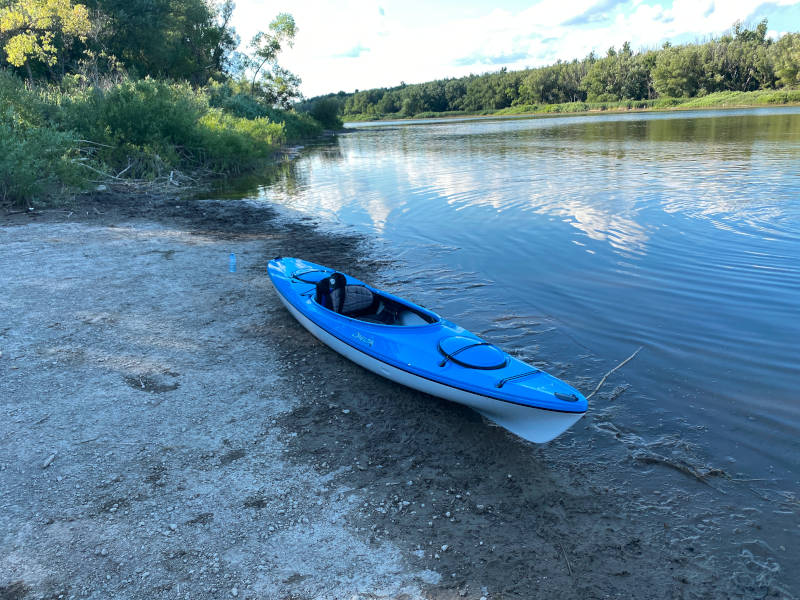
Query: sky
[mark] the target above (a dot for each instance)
(361, 44)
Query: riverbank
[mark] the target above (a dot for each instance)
(168, 431)
(761, 98)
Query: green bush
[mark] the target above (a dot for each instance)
(235, 102)
(232, 144)
(34, 161)
(326, 112)
(149, 127)
(142, 123)
(233, 99)
(35, 158)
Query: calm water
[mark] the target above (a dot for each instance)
(573, 241)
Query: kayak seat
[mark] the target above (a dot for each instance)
(356, 300)
(351, 300)
(359, 302)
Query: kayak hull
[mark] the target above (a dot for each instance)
(533, 423)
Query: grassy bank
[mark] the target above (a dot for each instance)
(59, 140)
(716, 100)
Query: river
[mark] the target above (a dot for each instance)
(573, 241)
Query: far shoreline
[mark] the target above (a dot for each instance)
(718, 101)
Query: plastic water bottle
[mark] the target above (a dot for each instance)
(232, 263)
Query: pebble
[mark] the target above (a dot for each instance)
(173, 526)
(346, 411)
(445, 547)
(235, 592)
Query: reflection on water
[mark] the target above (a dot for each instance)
(594, 235)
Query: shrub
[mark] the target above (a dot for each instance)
(326, 112)
(232, 144)
(34, 161)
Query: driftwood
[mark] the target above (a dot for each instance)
(619, 366)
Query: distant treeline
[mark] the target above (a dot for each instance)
(742, 60)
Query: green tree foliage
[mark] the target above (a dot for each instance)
(620, 75)
(558, 83)
(739, 61)
(326, 111)
(744, 59)
(277, 86)
(190, 40)
(679, 71)
(785, 54)
(41, 31)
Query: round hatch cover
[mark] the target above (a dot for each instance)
(471, 353)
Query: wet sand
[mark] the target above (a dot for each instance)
(169, 431)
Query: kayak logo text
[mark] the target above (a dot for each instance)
(362, 339)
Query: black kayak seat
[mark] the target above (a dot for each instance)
(334, 293)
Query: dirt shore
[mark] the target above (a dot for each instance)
(167, 430)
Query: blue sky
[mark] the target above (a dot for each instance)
(361, 44)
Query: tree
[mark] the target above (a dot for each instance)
(786, 58)
(678, 71)
(267, 45)
(41, 30)
(738, 61)
(621, 75)
(190, 40)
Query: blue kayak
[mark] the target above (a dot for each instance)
(416, 347)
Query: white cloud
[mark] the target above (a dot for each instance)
(360, 44)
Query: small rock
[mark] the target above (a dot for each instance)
(445, 547)
(346, 411)
(49, 460)
(173, 526)
(235, 592)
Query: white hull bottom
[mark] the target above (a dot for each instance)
(528, 422)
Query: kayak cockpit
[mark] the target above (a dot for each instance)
(366, 304)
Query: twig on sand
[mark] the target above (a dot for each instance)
(569, 567)
(619, 366)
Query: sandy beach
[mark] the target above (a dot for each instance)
(167, 430)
